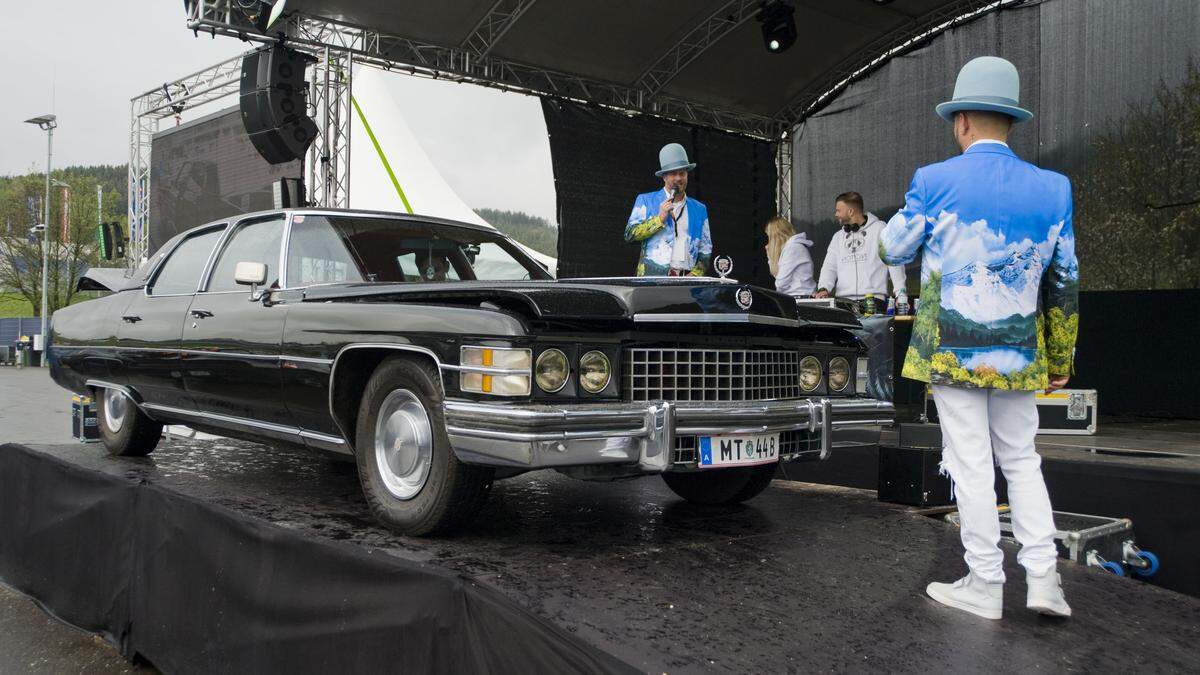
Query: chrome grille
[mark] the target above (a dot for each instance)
(790, 443)
(710, 374)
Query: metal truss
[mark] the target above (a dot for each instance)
(718, 24)
(492, 27)
(145, 113)
(329, 155)
(392, 52)
(328, 161)
(783, 170)
(918, 34)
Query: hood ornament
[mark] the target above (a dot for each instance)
(723, 264)
(744, 297)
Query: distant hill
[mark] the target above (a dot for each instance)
(534, 232)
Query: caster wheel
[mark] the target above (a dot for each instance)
(1151, 560)
(1114, 567)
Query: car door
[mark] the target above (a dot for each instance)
(151, 325)
(317, 254)
(230, 341)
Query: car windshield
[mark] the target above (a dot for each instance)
(329, 249)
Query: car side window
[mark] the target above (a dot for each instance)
(317, 254)
(180, 274)
(256, 241)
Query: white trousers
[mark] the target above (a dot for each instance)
(982, 428)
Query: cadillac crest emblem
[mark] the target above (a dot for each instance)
(744, 297)
(723, 264)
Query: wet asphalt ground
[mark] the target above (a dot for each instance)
(803, 578)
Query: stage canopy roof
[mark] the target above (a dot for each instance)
(700, 61)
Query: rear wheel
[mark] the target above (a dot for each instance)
(412, 481)
(124, 428)
(721, 486)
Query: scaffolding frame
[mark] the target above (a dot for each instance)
(339, 46)
(327, 163)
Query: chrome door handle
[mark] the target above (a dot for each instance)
(131, 319)
(201, 313)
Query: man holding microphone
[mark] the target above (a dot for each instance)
(672, 227)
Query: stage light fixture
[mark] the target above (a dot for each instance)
(778, 25)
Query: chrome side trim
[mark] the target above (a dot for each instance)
(228, 419)
(307, 359)
(241, 355)
(716, 318)
(324, 438)
(272, 429)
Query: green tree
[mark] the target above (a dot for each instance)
(71, 251)
(1138, 197)
(536, 233)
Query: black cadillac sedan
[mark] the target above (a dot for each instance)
(440, 356)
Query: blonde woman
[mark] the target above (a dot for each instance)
(791, 263)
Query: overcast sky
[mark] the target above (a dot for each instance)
(84, 64)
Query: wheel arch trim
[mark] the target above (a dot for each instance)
(128, 391)
(333, 370)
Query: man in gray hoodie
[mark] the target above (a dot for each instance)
(852, 267)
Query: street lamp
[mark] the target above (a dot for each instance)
(47, 123)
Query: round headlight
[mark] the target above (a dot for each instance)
(810, 373)
(839, 373)
(551, 370)
(594, 372)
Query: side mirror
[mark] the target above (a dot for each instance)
(252, 274)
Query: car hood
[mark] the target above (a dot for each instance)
(637, 299)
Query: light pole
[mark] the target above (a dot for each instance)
(47, 123)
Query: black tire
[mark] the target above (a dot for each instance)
(452, 492)
(716, 487)
(137, 436)
(760, 478)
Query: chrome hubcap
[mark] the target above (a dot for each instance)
(403, 444)
(116, 407)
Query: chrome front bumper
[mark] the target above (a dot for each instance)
(534, 436)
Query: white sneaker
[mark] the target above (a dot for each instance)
(970, 594)
(1045, 595)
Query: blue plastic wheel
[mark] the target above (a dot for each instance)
(1152, 560)
(1114, 567)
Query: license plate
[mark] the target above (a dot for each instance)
(722, 451)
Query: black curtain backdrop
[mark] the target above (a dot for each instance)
(1087, 68)
(602, 160)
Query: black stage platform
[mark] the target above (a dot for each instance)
(1147, 470)
(229, 556)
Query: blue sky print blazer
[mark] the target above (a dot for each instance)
(657, 239)
(999, 277)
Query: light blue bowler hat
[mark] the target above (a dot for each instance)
(673, 157)
(986, 83)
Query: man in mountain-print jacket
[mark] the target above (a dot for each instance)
(998, 318)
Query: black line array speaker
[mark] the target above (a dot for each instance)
(274, 102)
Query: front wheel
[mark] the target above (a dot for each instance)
(721, 486)
(410, 477)
(124, 428)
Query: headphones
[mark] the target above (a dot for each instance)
(848, 228)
